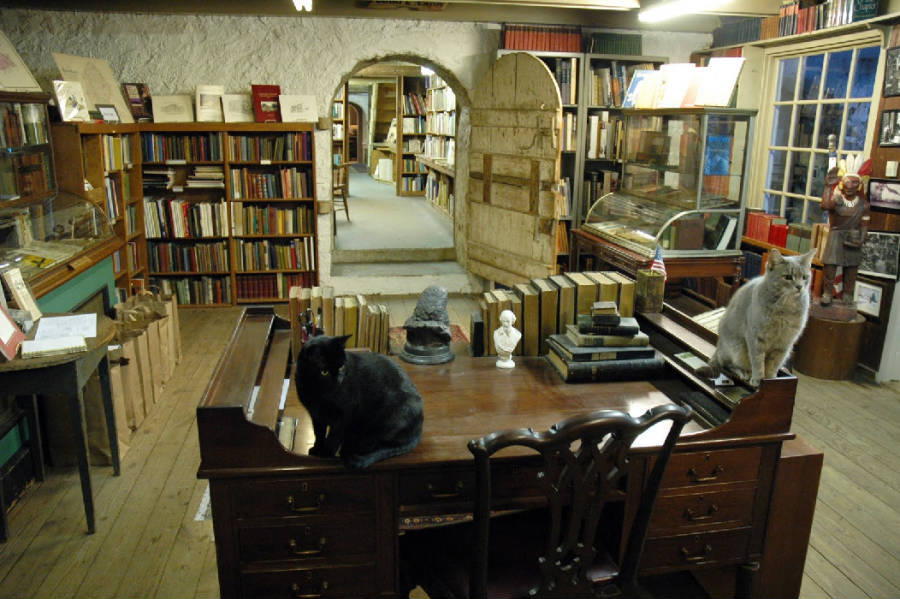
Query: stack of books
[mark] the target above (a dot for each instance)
(603, 346)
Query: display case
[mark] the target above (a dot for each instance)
(682, 186)
(26, 158)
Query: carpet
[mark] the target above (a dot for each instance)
(397, 337)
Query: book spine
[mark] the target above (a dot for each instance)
(613, 370)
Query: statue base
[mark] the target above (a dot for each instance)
(426, 354)
(505, 364)
(836, 310)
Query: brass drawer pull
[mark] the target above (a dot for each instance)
(293, 547)
(456, 492)
(695, 517)
(306, 509)
(713, 475)
(299, 593)
(697, 557)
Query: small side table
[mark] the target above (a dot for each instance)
(67, 375)
(829, 349)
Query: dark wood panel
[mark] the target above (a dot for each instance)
(315, 538)
(691, 551)
(349, 581)
(700, 509)
(712, 467)
(302, 497)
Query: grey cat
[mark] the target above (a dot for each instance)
(763, 320)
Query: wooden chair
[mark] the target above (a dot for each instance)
(554, 552)
(340, 190)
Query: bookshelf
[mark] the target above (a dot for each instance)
(439, 156)
(102, 167)
(410, 173)
(339, 136)
(230, 210)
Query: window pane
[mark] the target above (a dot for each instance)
(772, 203)
(799, 171)
(832, 115)
(793, 210)
(782, 125)
(777, 164)
(787, 79)
(814, 213)
(857, 120)
(806, 121)
(819, 169)
(838, 74)
(864, 79)
(812, 76)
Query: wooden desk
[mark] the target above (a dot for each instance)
(67, 375)
(288, 524)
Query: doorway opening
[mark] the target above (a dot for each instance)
(394, 153)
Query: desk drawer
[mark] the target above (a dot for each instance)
(702, 509)
(303, 496)
(711, 467)
(350, 581)
(458, 484)
(316, 537)
(687, 551)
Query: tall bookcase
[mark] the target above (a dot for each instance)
(340, 150)
(411, 133)
(103, 165)
(439, 156)
(230, 210)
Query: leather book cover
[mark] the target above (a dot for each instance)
(11, 335)
(265, 103)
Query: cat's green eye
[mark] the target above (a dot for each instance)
(788, 277)
(324, 373)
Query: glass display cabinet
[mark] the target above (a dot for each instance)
(682, 185)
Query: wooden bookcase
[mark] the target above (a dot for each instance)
(411, 122)
(340, 150)
(439, 156)
(102, 164)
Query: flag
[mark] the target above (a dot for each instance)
(658, 265)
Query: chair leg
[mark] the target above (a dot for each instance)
(346, 206)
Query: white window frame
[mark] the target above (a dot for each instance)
(771, 60)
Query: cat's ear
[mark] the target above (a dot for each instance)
(775, 258)
(807, 258)
(343, 339)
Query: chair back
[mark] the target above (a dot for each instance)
(584, 459)
(339, 176)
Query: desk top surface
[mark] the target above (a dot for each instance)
(105, 333)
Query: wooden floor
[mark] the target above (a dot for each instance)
(148, 545)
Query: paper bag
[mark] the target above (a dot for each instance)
(146, 372)
(156, 363)
(133, 390)
(175, 327)
(117, 388)
(167, 358)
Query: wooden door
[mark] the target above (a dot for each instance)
(514, 162)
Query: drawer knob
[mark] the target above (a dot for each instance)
(456, 491)
(305, 509)
(301, 593)
(693, 516)
(687, 556)
(295, 549)
(713, 475)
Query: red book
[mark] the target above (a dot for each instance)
(778, 235)
(11, 335)
(265, 103)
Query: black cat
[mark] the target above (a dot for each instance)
(361, 403)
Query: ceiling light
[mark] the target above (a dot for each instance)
(303, 5)
(677, 8)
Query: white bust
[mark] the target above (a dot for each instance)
(505, 339)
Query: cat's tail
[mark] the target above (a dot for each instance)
(364, 461)
(711, 370)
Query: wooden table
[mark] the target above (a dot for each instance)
(67, 375)
(287, 524)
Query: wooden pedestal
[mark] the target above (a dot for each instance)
(829, 349)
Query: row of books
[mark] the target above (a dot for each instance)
(133, 256)
(412, 183)
(414, 124)
(294, 254)
(131, 219)
(271, 286)
(23, 125)
(562, 239)
(29, 176)
(254, 219)
(550, 38)
(598, 183)
(413, 146)
(442, 99)
(441, 123)
(565, 71)
(544, 307)
(285, 183)
(606, 135)
(204, 290)
(285, 147)
(195, 147)
(111, 188)
(685, 85)
(439, 191)
(607, 84)
(116, 153)
(367, 323)
(604, 42)
(413, 104)
(441, 148)
(568, 132)
(183, 219)
(206, 177)
(194, 257)
(411, 165)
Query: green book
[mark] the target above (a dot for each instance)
(591, 340)
(577, 353)
(609, 370)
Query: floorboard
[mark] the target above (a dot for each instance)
(148, 545)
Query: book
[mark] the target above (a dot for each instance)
(566, 314)
(608, 370)
(491, 322)
(566, 348)
(604, 307)
(328, 310)
(476, 333)
(607, 289)
(585, 292)
(592, 340)
(627, 326)
(515, 306)
(71, 101)
(265, 103)
(531, 319)
(20, 293)
(41, 348)
(626, 292)
(719, 85)
(237, 108)
(208, 103)
(11, 335)
(548, 307)
(362, 327)
(384, 328)
(297, 109)
(339, 317)
(173, 109)
(351, 320)
(139, 102)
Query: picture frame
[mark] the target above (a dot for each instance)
(297, 109)
(884, 193)
(868, 298)
(881, 255)
(889, 129)
(237, 108)
(173, 109)
(108, 113)
(71, 101)
(15, 75)
(892, 72)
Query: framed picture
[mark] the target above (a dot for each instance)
(173, 109)
(108, 113)
(890, 128)
(868, 298)
(71, 101)
(884, 193)
(237, 108)
(881, 255)
(892, 72)
(297, 109)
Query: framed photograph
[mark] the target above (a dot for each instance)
(892, 71)
(868, 298)
(108, 113)
(881, 255)
(71, 101)
(890, 128)
(173, 109)
(884, 193)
